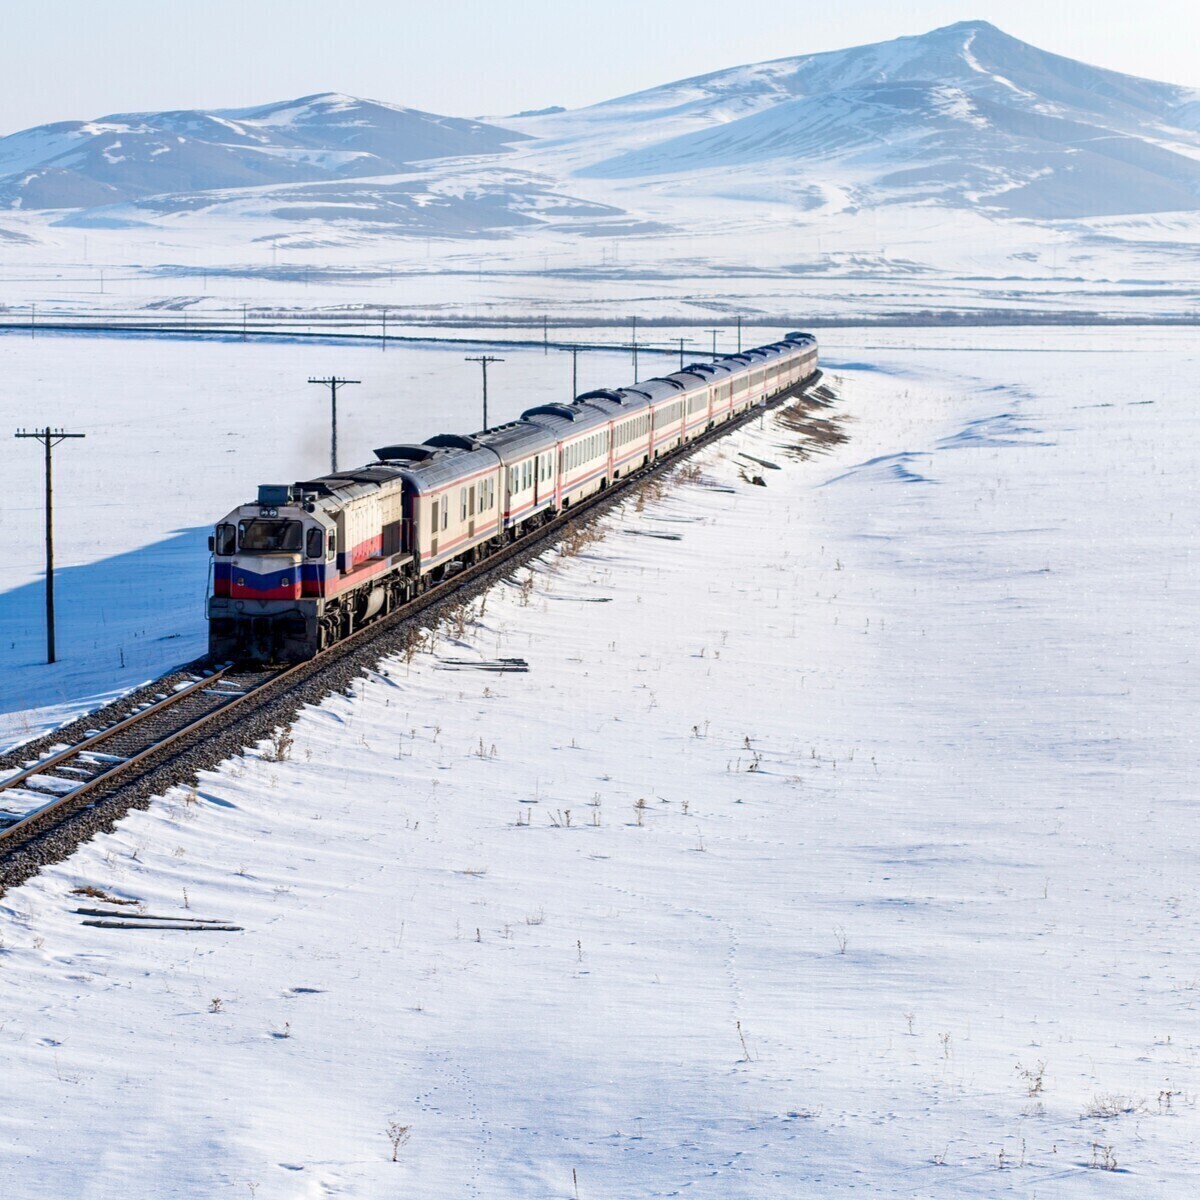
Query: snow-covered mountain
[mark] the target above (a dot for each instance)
(76, 164)
(965, 116)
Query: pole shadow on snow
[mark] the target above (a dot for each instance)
(120, 621)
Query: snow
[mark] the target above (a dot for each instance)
(956, 649)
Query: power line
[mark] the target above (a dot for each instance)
(49, 438)
(483, 360)
(333, 383)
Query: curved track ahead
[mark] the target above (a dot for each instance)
(76, 790)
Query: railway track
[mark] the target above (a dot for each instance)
(68, 776)
(138, 748)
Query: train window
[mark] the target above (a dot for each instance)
(226, 540)
(445, 512)
(462, 503)
(262, 536)
(332, 542)
(315, 543)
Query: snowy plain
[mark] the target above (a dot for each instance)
(939, 941)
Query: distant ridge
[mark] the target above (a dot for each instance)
(124, 156)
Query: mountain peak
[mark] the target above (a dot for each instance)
(966, 27)
(964, 116)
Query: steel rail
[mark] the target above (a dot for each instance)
(43, 765)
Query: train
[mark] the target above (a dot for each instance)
(306, 564)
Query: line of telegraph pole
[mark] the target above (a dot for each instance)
(49, 438)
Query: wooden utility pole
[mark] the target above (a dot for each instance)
(483, 360)
(714, 332)
(681, 340)
(49, 438)
(633, 323)
(333, 383)
(573, 351)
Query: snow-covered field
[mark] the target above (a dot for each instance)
(879, 871)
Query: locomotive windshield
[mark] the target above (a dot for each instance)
(261, 536)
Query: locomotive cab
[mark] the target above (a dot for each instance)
(268, 558)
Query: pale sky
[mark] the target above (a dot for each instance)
(69, 59)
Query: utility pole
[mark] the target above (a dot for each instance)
(633, 322)
(49, 438)
(483, 360)
(573, 351)
(383, 335)
(33, 320)
(545, 334)
(333, 383)
(243, 322)
(739, 323)
(681, 340)
(714, 332)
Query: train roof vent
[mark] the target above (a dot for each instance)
(453, 441)
(663, 379)
(552, 410)
(798, 337)
(600, 394)
(405, 453)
